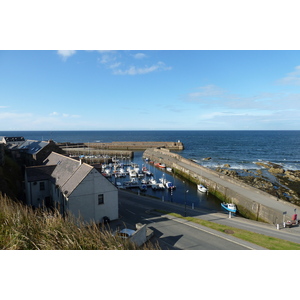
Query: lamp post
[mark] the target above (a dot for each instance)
(185, 202)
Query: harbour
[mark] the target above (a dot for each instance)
(239, 149)
(184, 193)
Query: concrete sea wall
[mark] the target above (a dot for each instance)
(217, 185)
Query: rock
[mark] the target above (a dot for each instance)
(207, 158)
(230, 173)
(276, 170)
(264, 165)
(293, 175)
(226, 166)
(259, 172)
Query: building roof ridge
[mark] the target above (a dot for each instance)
(75, 173)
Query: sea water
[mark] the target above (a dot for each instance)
(239, 149)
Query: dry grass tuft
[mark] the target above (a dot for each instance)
(22, 228)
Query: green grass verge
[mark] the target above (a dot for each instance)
(262, 240)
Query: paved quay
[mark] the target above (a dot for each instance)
(280, 209)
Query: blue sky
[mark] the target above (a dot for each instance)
(149, 90)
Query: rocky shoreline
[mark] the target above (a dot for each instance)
(272, 178)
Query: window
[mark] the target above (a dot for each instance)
(100, 199)
(42, 186)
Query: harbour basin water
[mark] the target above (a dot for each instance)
(185, 192)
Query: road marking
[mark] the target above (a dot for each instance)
(130, 211)
(212, 233)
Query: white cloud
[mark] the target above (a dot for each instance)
(64, 115)
(111, 60)
(13, 116)
(65, 54)
(115, 65)
(208, 92)
(292, 78)
(133, 70)
(212, 96)
(139, 55)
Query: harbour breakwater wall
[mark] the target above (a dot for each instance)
(224, 188)
(135, 146)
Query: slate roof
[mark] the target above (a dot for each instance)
(13, 139)
(68, 172)
(39, 173)
(32, 147)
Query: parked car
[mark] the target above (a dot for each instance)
(125, 233)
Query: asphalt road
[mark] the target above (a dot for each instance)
(171, 232)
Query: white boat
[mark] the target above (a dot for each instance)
(229, 207)
(146, 171)
(108, 171)
(152, 181)
(132, 173)
(169, 169)
(154, 187)
(161, 186)
(122, 171)
(201, 188)
(169, 185)
(140, 174)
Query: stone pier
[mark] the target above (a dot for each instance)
(251, 202)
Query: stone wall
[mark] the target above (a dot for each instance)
(246, 207)
(137, 145)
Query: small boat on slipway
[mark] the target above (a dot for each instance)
(229, 207)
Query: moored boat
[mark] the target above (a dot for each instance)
(229, 207)
(160, 165)
(169, 185)
(201, 188)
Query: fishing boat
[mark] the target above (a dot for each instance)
(229, 207)
(201, 188)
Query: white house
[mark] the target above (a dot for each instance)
(71, 186)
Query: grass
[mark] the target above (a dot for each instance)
(22, 228)
(262, 240)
